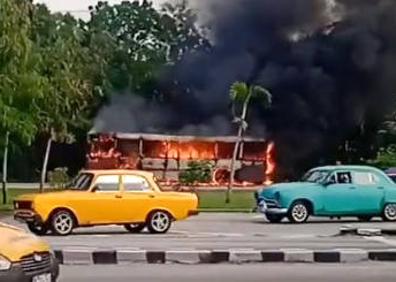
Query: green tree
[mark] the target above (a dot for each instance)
(241, 96)
(132, 41)
(66, 102)
(20, 83)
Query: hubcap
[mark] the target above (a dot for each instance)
(63, 223)
(390, 212)
(299, 213)
(160, 221)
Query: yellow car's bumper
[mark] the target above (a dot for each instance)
(27, 216)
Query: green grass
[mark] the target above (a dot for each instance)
(215, 200)
(209, 200)
(12, 194)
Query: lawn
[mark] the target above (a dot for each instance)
(12, 193)
(215, 200)
(209, 200)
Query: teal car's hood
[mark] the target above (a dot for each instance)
(282, 187)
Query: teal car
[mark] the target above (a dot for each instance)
(332, 191)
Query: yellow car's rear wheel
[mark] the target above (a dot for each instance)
(135, 228)
(159, 222)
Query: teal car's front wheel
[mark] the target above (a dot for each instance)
(299, 212)
(389, 213)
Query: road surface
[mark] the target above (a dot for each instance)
(225, 231)
(368, 272)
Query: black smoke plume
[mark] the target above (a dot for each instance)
(330, 65)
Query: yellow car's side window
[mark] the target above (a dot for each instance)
(135, 183)
(107, 183)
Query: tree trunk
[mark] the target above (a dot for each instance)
(5, 166)
(45, 165)
(236, 149)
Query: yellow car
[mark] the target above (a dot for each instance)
(104, 197)
(24, 257)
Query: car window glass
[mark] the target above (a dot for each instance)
(316, 176)
(365, 178)
(81, 182)
(106, 183)
(331, 179)
(374, 178)
(135, 183)
(344, 178)
(393, 177)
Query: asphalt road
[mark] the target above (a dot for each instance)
(226, 231)
(368, 272)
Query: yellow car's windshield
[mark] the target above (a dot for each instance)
(82, 182)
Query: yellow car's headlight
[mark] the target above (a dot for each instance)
(5, 264)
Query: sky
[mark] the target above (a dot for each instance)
(76, 7)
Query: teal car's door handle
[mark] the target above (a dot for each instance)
(380, 188)
(352, 188)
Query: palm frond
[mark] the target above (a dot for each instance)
(239, 91)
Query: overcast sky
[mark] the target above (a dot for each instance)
(76, 7)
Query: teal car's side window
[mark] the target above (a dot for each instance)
(344, 177)
(365, 178)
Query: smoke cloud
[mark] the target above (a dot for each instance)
(330, 66)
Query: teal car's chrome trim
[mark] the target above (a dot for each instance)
(279, 211)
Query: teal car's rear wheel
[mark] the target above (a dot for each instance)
(389, 213)
(274, 218)
(299, 212)
(365, 218)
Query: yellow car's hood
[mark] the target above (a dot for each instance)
(16, 243)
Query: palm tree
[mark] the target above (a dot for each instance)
(241, 95)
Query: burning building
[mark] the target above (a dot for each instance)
(167, 156)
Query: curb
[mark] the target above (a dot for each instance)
(349, 230)
(233, 256)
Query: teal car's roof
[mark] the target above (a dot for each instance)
(347, 167)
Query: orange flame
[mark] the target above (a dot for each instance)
(271, 165)
(107, 157)
(188, 151)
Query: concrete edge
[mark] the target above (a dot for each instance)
(100, 257)
(363, 231)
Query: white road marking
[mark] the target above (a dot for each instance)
(382, 239)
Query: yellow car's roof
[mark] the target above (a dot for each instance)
(119, 171)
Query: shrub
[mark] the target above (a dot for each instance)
(58, 178)
(196, 172)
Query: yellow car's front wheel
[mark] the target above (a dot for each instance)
(135, 228)
(38, 229)
(62, 223)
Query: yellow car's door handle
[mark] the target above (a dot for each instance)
(151, 196)
(118, 196)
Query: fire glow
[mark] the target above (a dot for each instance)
(167, 156)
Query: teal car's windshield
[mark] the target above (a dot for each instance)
(82, 182)
(316, 176)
